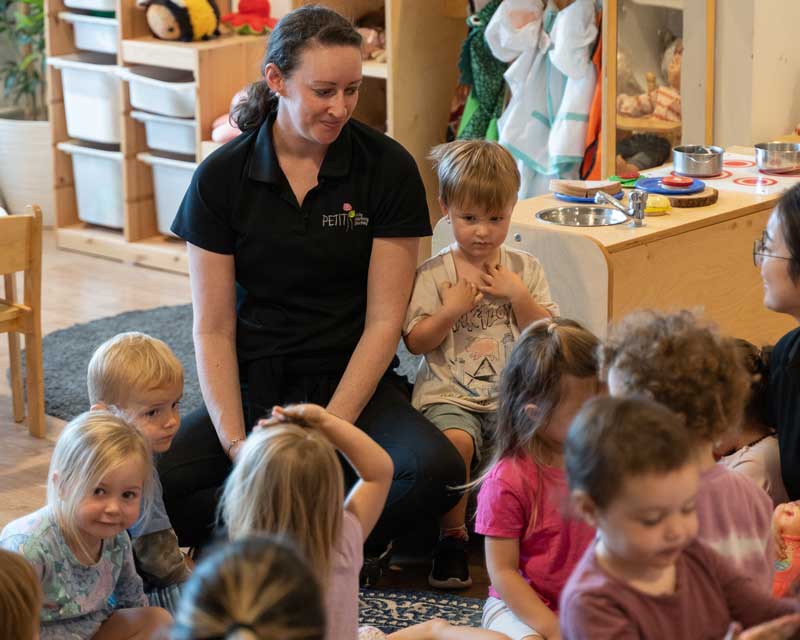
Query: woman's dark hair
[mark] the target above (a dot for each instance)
(756, 362)
(251, 589)
(297, 31)
(612, 439)
(788, 210)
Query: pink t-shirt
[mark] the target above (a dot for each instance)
(735, 519)
(341, 592)
(709, 595)
(549, 550)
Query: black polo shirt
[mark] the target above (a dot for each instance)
(301, 271)
(783, 407)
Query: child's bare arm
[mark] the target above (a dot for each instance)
(441, 630)
(431, 331)
(372, 464)
(504, 283)
(502, 563)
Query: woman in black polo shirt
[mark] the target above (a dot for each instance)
(777, 254)
(302, 238)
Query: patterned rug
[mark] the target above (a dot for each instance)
(392, 609)
(67, 353)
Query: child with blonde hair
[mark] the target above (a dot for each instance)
(531, 544)
(140, 377)
(253, 588)
(633, 473)
(689, 368)
(100, 474)
(469, 304)
(288, 481)
(20, 597)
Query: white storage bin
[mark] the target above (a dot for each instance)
(171, 178)
(170, 92)
(92, 33)
(175, 135)
(92, 5)
(91, 96)
(98, 183)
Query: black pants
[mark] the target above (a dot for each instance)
(426, 464)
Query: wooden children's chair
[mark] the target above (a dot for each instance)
(21, 250)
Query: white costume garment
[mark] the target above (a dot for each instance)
(552, 81)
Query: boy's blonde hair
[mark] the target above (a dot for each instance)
(20, 596)
(287, 480)
(684, 364)
(91, 446)
(476, 173)
(258, 586)
(131, 362)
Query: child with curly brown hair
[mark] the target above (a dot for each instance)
(689, 367)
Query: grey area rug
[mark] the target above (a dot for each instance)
(67, 353)
(392, 610)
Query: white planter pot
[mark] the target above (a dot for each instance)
(26, 166)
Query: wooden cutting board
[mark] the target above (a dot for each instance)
(701, 199)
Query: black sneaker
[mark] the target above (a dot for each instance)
(450, 568)
(374, 567)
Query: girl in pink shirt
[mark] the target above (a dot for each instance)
(288, 481)
(634, 475)
(531, 545)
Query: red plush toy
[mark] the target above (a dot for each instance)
(253, 18)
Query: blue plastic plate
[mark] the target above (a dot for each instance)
(653, 185)
(581, 200)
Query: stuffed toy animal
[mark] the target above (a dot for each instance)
(786, 527)
(184, 20)
(252, 18)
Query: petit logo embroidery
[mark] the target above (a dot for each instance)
(349, 218)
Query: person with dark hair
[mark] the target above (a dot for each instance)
(302, 238)
(253, 588)
(777, 254)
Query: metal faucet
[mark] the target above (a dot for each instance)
(637, 201)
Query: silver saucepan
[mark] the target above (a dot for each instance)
(778, 157)
(697, 160)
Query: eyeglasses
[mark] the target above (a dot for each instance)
(760, 250)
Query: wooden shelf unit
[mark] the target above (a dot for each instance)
(220, 66)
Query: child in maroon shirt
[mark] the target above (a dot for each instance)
(633, 476)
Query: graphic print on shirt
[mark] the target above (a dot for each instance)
(348, 218)
(483, 342)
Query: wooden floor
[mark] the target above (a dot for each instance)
(79, 288)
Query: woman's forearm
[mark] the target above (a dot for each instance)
(369, 362)
(218, 373)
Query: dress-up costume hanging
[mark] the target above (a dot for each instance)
(552, 81)
(484, 73)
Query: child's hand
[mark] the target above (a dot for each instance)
(461, 297)
(502, 283)
(310, 415)
(779, 629)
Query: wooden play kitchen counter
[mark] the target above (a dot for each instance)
(696, 257)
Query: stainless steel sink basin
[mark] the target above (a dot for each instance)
(579, 216)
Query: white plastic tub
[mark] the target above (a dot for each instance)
(170, 92)
(91, 96)
(98, 183)
(175, 135)
(92, 5)
(171, 178)
(93, 33)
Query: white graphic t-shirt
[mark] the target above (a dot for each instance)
(465, 368)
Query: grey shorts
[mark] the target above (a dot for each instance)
(448, 416)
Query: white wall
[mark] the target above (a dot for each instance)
(757, 70)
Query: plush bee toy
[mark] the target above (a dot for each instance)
(184, 20)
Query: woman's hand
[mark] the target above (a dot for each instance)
(459, 298)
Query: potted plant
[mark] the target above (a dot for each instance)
(26, 174)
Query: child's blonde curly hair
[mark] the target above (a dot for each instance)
(683, 363)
